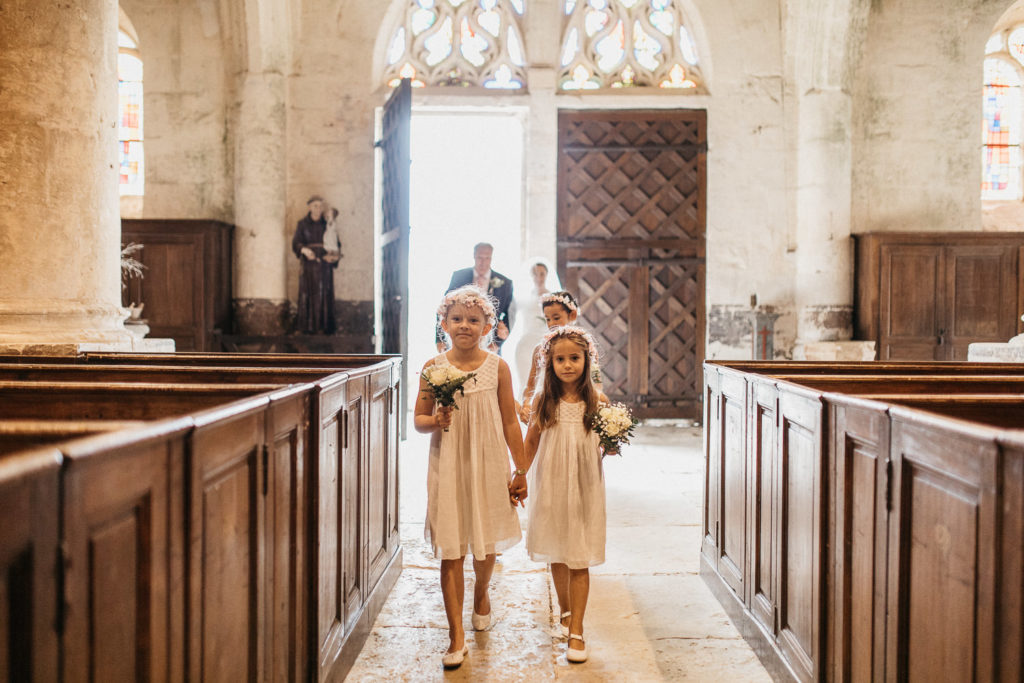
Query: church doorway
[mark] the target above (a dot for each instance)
(466, 186)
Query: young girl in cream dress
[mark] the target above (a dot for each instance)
(566, 505)
(469, 505)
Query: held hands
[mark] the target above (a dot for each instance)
(517, 490)
(524, 412)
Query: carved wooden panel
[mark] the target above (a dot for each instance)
(631, 222)
(395, 160)
(763, 509)
(377, 522)
(733, 464)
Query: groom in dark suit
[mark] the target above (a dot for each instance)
(494, 283)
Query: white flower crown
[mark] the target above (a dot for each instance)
(469, 296)
(569, 331)
(558, 299)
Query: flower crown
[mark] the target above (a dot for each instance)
(558, 298)
(569, 331)
(469, 296)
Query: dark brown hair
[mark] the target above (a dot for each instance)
(553, 390)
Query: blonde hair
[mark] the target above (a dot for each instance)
(469, 296)
(553, 389)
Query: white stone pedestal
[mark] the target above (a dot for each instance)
(989, 352)
(836, 351)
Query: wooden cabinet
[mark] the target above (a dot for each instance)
(186, 285)
(927, 296)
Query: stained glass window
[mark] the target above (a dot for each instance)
(1001, 130)
(467, 43)
(625, 44)
(129, 90)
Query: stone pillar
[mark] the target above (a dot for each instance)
(824, 264)
(60, 229)
(261, 296)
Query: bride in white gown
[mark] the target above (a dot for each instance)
(530, 325)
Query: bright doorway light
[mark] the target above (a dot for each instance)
(466, 186)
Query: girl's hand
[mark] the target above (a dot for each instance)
(443, 417)
(609, 451)
(524, 413)
(517, 490)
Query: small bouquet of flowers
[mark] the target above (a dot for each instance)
(613, 424)
(444, 381)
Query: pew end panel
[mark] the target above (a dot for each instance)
(30, 606)
(123, 531)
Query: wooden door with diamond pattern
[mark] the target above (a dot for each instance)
(631, 223)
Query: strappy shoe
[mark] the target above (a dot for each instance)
(563, 629)
(576, 656)
(481, 621)
(452, 660)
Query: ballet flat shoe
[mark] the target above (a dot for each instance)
(481, 621)
(576, 656)
(452, 660)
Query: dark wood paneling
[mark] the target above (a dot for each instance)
(186, 284)
(733, 491)
(764, 507)
(927, 296)
(29, 599)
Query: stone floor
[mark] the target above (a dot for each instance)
(649, 617)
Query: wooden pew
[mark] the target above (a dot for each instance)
(29, 541)
(779, 503)
(351, 554)
(19, 435)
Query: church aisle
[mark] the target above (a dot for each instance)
(649, 618)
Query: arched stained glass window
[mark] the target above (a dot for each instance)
(1003, 116)
(459, 43)
(625, 44)
(129, 89)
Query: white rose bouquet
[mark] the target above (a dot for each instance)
(613, 424)
(443, 381)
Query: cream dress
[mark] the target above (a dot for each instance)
(468, 508)
(566, 494)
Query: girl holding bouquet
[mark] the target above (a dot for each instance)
(566, 508)
(469, 505)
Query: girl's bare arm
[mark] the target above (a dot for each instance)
(425, 419)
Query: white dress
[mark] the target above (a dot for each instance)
(468, 507)
(532, 328)
(565, 501)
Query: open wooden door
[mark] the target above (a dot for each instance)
(394, 241)
(631, 224)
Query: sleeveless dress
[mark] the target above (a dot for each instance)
(468, 508)
(566, 494)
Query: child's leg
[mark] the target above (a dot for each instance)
(579, 589)
(483, 570)
(560, 577)
(453, 590)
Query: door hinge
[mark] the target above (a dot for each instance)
(266, 467)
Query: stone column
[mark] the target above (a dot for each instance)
(261, 297)
(60, 229)
(824, 265)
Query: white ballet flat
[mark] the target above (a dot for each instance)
(481, 621)
(562, 628)
(455, 659)
(576, 656)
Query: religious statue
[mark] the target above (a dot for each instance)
(318, 249)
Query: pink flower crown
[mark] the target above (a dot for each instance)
(569, 331)
(552, 298)
(469, 296)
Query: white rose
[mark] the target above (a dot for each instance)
(455, 373)
(605, 413)
(613, 430)
(437, 376)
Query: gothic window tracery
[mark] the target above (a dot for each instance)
(130, 139)
(627, 44)
(1003, 116)
(464, 43)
